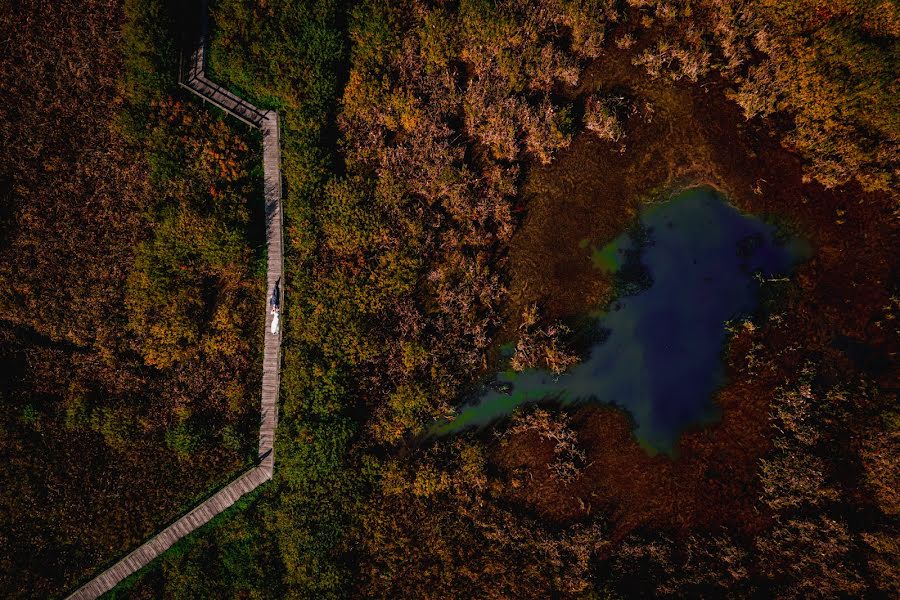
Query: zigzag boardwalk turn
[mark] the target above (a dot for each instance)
(267, 121)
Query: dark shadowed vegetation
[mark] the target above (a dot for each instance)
(130, 289)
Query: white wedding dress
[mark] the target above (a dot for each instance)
(275, 323)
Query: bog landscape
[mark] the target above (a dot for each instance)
(590, 299)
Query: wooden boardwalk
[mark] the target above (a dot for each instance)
(195, 80)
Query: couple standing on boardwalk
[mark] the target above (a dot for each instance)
(275, 303)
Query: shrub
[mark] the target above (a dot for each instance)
(604, 115)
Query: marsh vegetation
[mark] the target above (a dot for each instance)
(447, 167)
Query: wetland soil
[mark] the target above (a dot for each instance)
(832, 313)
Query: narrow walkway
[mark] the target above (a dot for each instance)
(195, 80)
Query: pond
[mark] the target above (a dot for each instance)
(686, 269)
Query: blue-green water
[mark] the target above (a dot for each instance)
(683, 271)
